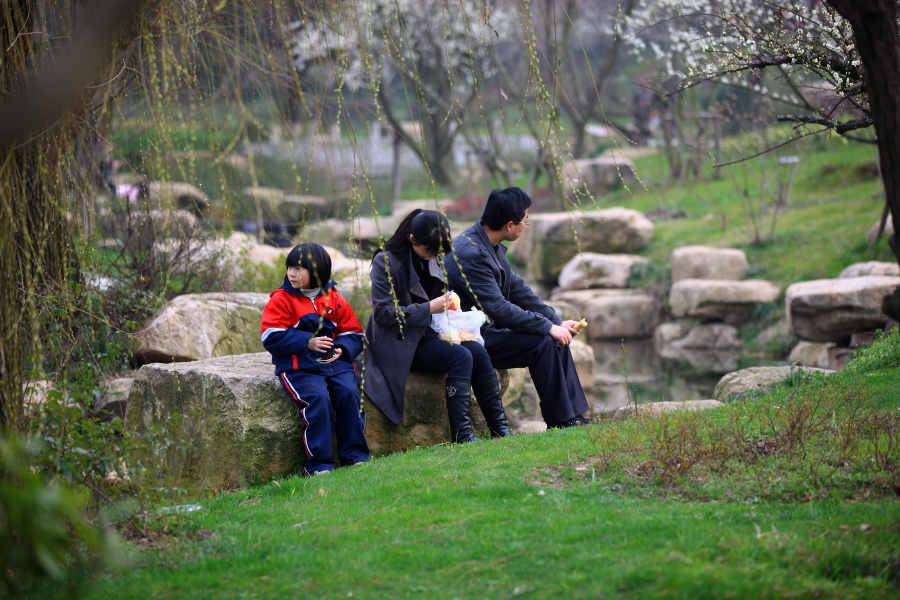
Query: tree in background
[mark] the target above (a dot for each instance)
(837, 63)
(424, 58)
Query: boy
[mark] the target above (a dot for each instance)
(314, 336)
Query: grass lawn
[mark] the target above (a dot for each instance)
(791, 493)
(836, 197)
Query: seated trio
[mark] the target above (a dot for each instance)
(314, 336)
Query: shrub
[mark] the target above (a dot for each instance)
(42, 530)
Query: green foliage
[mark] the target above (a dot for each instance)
(43, 532)
(885, 354)
(652, 276)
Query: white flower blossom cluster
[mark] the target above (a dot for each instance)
(419, 38)
(700, 40)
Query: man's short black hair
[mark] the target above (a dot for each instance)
(504, 206)
(314, 258)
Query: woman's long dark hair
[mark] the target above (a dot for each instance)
(429, 228)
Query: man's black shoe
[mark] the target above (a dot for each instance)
(578, 421)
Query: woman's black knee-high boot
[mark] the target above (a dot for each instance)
(459, 410)
(487, 393)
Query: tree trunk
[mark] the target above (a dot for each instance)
(37, 127)
(878, 42)
(877, 39)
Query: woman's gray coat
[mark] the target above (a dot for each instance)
(400, 317)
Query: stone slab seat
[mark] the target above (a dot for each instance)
(229, 422)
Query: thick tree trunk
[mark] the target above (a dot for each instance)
(877, 39)
(878, 42)
(37, 125)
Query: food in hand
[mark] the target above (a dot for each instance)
(454, 301)
(579, 325)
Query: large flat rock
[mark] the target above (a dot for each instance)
(554, 238)
(730, 301)
(830, 310)
(708, 262)
(230, 423)
(199, 326)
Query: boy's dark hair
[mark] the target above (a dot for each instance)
(504, 206)
(428, 227)
(313, 258)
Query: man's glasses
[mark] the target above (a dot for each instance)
(526, 222)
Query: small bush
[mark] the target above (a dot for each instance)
(42, 530)
(883, 354)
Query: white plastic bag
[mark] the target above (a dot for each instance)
(456, 326)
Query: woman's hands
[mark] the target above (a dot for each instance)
(439, 304)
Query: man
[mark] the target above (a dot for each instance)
(522, 330)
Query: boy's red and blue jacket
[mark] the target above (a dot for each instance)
(290, 319)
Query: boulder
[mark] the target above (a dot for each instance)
(425, 420)
(198, 326)
(113, 399)
(328, 232)
(702, 360)
(666, 333)
(229, 421)
(181, 195)
(710, 336)
(566, 310)
(811, 354)
(597, 175)
(277, 205)
(756, 379)
(829, 310)
(776, 339)
(370, 233)
(401, 208)
(729, 301)
(872, 234)
(652, 409)
(615, 314)
(872, 267)
(556, 237)
(707, 262)
(583, 357)
(589, 270)
(516, 385)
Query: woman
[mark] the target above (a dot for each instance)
(407, 288)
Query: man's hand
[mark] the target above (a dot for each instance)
(561, 334)
(571, 326)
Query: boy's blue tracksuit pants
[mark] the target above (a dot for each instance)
(327, 402)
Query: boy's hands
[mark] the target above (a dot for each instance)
(323, 345)
(320, 344)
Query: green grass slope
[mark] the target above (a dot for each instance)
(788, 493)
(836, 195)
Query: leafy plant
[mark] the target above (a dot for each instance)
(42, 528)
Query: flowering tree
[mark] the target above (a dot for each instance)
(850, 48)
(432, 53)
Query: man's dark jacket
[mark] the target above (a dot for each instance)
(482, 276)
